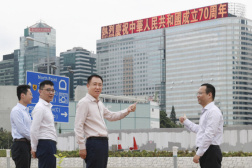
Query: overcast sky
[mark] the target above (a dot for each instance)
(78, 22)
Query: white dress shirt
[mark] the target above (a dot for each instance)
(210, 128)
(20, 122)
(43, 123)
(89, 120)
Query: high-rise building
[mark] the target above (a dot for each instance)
(37, 44)
(9, 69)
(171, 55)
(77, 64)
(133, 64)
(218, 52)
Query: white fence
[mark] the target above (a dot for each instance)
(238, 138)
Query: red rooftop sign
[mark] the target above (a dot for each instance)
(38, 29)
(168, 20)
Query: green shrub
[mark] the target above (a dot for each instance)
(69, 153)
(2, 153)
(143, 153)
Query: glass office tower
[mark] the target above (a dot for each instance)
(217, 52)
(171, 62)
(9, 68)
(77, 64)
(133, 64)
(32, 52)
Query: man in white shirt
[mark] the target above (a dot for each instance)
(209, 131)
(43, 132)
(90, 128)
(20, 128)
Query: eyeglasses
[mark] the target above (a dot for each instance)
(49, 90)
(199, 93)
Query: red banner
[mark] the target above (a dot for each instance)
(164, 21)
(37, 29)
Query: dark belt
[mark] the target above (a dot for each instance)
(47, 140)
(98, 138)
(209, 146)
(22, 140)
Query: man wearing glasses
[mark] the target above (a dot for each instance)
(43, 132)
(209, 130)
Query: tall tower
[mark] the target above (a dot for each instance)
(77, 64)
(38, 51)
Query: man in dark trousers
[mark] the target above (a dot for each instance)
(43, 132)
(20, 128)
(90, 128)
(209, 130)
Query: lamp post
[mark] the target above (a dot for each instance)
(175, 154)
(47, 44)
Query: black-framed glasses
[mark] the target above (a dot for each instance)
(49, 90)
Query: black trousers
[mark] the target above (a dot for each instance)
(45, 154)
(212, 157)
(97, 152)
(21, 154)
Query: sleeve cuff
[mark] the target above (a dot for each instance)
(125, 112)
(34, 149)
(82, 146)
(199, 152)
(186, 122)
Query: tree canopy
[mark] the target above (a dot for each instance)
(173, 115)
(5, 139)
(166, 122)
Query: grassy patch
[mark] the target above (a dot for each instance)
(3, 153)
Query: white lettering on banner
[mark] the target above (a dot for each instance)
(52, 79)
(47, 78)
(56, 110)
(42, 77)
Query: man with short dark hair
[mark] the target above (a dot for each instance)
(20, 128)
(209, 130)
(43, 132)
(90, 128)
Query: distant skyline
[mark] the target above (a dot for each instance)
(78, 23)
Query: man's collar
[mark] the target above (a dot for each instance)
(44, 102)
(21, 106)
(91, 98)
(207, 106)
